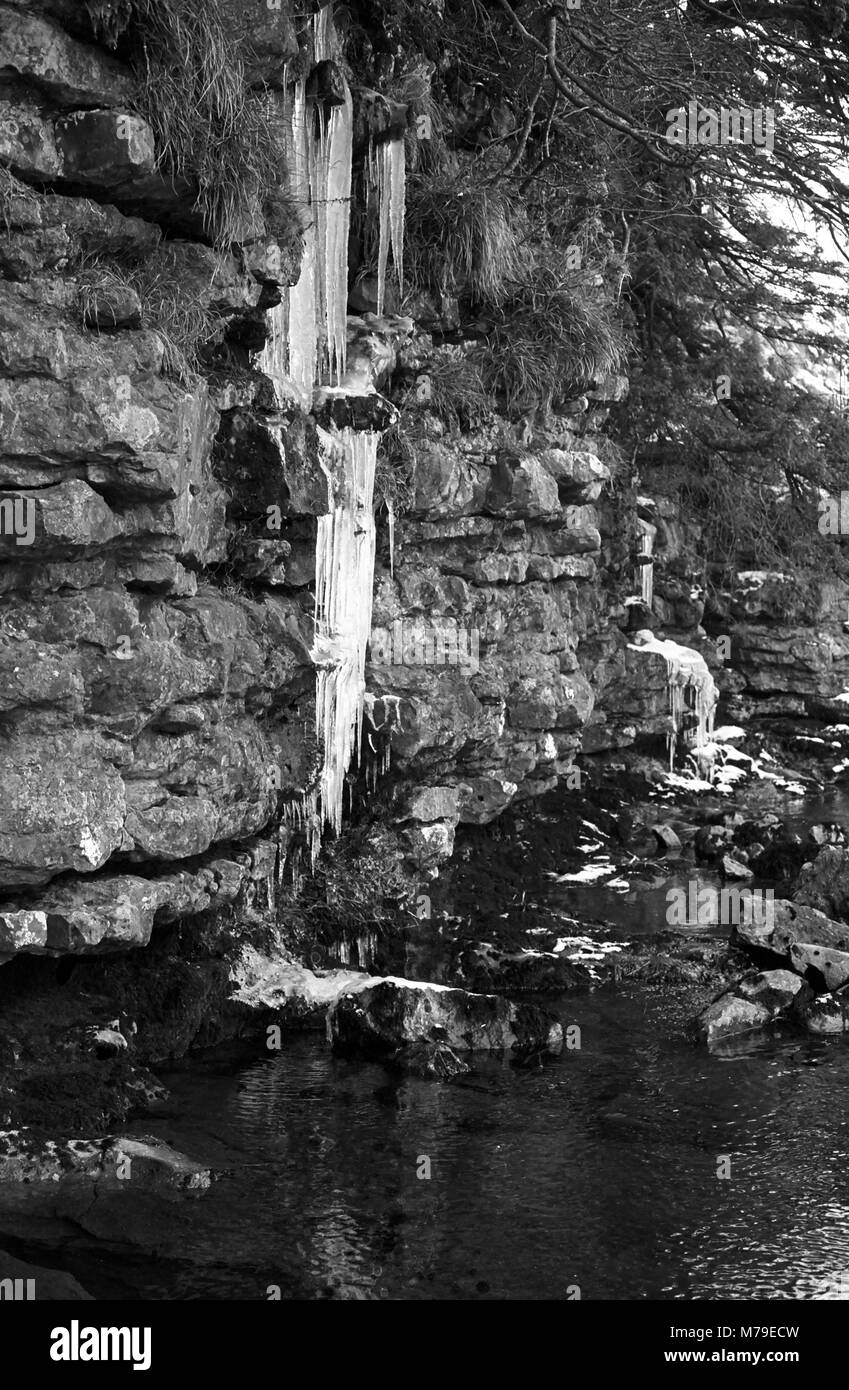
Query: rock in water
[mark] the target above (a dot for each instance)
(753, 1001)
(394, 1016)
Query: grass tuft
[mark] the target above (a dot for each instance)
(209, 126)
(185, 326)
(464, 238)
(552, 336)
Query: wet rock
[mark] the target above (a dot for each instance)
(393, 1013)
(667, 838)
(42, 1284)
(108, 1042)
(141, 1160)
(432, 1060)
(728, 1016)
(753, 1001)
(774, 989)
(824, 884)
(821, 963)
(787, 923)
(825, 1014)
(733, 868)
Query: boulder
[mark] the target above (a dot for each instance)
(824, 884)
(145, 1161)
(391, 1013)
(753, 1001)
(823, 1014)
(789, 923)
(821, 962)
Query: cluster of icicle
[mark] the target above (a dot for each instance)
(308, 329)
(387, 166)
(308, 332)
(344, 578)
(685, 670)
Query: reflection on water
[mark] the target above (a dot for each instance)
(597, 1171)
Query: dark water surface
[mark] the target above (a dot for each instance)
(598, 1171)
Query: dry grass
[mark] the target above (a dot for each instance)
(394, 478)
(552, 337)
(459, 394)
(464, 237)
(184, 325)
(209, 126)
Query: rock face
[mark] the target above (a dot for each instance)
(160, 501)
(394, 1015)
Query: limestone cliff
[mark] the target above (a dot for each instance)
(162, 508)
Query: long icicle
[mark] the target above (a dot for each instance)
(330, 188)
(388, 176)
(345, 552)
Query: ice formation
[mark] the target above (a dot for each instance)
(647, 570)
(343, 604)
(388, 175)
(686, 671)
(330, 194)
(308, 329)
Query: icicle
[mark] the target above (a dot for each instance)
(331, 196)
(388, 175)
(390, 512)
(345, 550)
(330, 192)
(301, 328)
(647, 570)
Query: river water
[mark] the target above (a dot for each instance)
(596, 1174)
(635, 1166)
